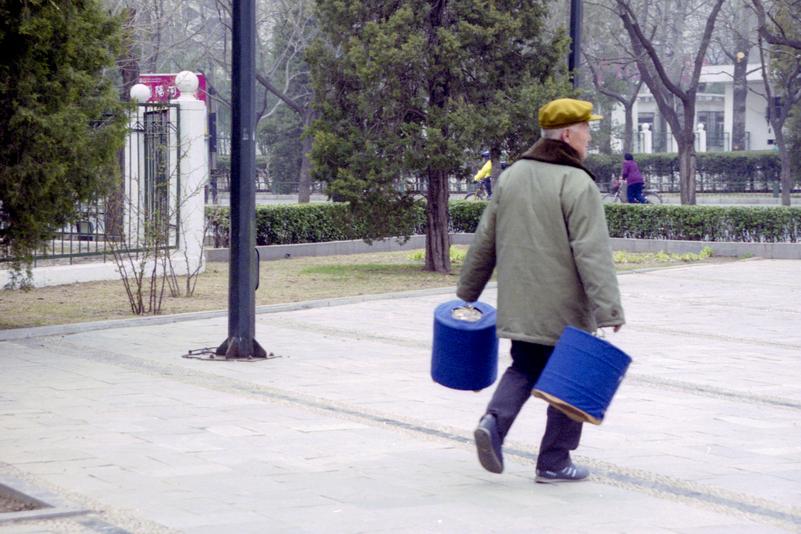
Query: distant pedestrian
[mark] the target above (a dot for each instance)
(634, 180)
(546, 233)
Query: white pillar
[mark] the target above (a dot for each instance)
(133, 209)
(194, 168)
(647, 138)
(728, 113)
(700, 135)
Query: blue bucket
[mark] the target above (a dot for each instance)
(582, 375)
(465, 353)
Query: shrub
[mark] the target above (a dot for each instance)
(705, 223)
(464, 215)
(304, 223)
(312, 223)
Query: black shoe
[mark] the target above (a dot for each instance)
(488, 443)
(571, 473)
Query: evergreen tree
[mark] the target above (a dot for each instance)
(414, 88)
(61, 122)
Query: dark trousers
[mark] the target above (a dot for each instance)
(634, 193)
(488, 185)
(562, 434)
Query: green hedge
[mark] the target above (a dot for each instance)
(756, 171)
(705, 223)
(300, 223)
(224, 162)
(464, 215)
(313, 223)
(694, 223)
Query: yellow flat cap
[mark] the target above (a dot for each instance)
(564, 112)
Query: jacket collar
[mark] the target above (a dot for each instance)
(555, 151)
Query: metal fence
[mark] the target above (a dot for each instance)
(146, 198)
(220, 182)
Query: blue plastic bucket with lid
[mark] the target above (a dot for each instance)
(582, 375)
(465, 349)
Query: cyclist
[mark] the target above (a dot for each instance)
(484, 176)
(634, 180)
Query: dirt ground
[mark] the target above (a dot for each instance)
(7, 505)
(281, 281)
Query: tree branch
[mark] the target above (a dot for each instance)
(769, 36)
(267, 84)
(633, 27)
(699, 58)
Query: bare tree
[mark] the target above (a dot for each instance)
(144, 252)
(284, 30)
(781, 72)
(779, 45)
(623, 87)
(613, 69)
(675, 96)
(174, 35)
(732, 44)
(776, 31)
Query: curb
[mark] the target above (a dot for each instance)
(332, 248)
(770, 251)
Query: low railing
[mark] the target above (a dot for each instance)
(92, 237)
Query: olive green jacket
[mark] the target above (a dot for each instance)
(545, 231)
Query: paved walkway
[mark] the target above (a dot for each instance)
(345, 432)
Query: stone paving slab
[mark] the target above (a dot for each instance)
(345, 432)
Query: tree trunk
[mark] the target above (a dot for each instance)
(784, 155)
(687, 171)
(787, 178)
(740, 93)
(438, 256)
(605, 146)
(628, 131)
(660, 135)
(304, 180)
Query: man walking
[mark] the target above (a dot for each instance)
(545, 232)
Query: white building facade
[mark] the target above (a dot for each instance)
(713, 115)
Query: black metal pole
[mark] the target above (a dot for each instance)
(241, 342)
(574, 60)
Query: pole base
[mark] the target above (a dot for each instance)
(237, 348)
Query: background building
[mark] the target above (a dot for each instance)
(714, 110)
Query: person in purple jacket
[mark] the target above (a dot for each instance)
(634, 180)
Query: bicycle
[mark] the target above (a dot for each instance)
(652, 197)
(479, 193)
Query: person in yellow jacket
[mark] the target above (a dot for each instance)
(484, 175)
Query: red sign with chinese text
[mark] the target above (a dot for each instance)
(163, 89)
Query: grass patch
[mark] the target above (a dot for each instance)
(363, 269)
(281, 281)
(456, 252)
(623, 258)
